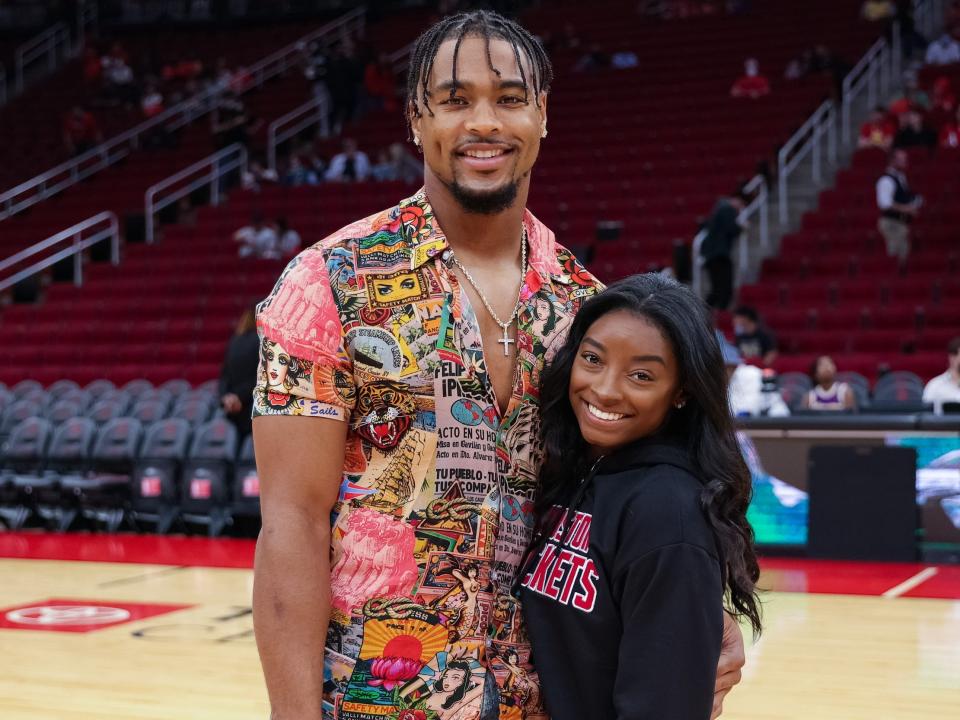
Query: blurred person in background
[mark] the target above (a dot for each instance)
(751, 336)
(722, 228)
(239, 373)
(827, 393)
(751, 84)
(877, 131)
(81, 132)
(898, 206)
(945, 388)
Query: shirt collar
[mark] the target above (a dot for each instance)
(426, 239)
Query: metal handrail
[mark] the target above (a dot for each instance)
(217, 165)
(874, 72)
(116, 148)
(78, 244)
(300, 118)
(50, 43)
(803, 142)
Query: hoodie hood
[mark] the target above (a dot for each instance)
(656, 450)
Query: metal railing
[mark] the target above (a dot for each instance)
(759, 206)
(49, 48)
(312, 112)
(116, 148)
(806, 141)
(210, 170)
(874, 74)
(103, 226)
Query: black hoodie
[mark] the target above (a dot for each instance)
(624, 602)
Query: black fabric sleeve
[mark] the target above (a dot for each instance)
(671, 609)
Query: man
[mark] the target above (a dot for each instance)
(877, 131)
(752, 392)
(351, 165)
(913, 132)
(898, 206)
(751, 84)
(722, 230)
(257, 239)
(752, 339)
(945, 50)
(945, 388)
(80, 131)
(396, 416)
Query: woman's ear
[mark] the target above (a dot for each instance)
(680, 400)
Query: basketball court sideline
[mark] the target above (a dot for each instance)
(160, 628)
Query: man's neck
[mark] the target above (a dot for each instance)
(955, 374)
(478, 238)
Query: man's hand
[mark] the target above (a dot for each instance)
(732, 660)
(231, 403)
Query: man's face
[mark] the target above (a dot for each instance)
(953, 361)
(743, 325)
(482, 142)
(900, 160)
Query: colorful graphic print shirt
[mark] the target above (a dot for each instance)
(370, 327)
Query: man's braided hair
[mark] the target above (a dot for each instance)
(478, 23)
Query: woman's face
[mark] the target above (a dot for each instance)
(623, 382)
(277, 363)
(452, 679)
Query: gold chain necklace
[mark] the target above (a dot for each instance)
(506, 340)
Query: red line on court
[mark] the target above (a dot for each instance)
(830, 577)
(120, 548)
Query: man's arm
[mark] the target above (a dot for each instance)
(300, 463)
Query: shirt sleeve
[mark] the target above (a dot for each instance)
(671, 608)
(886, 188)
(304, 367)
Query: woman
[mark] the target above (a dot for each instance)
(238, 376)
(827, 393)
(642, 517)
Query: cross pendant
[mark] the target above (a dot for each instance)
(505, 341)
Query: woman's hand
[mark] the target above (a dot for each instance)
(732, 660)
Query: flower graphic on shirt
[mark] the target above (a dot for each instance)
(390, 672)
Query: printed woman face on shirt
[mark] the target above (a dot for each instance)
(624, 381)
(278, 363)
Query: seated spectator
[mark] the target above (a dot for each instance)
(877, 131)
(945, 50)
(92, 67)
(118, 81)
(877, 10)
(827, 393)
(913, 98)
(152, 102)
(750, 393)
(594, 59)
(752, 339)
(257, 239)
(751, 84)
(239, 373)
(396, 164)
(80, 131)
(943, 104)
(380, 82)
(299, 174)
(257, 176)
(950, 133)
(288, 240)
(946, 387)
(230, 122)
(913, 132)
(351, 165)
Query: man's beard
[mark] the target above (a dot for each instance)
(485, 202)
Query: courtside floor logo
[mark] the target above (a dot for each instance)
(80, 616)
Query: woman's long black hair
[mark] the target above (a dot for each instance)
(704, 425)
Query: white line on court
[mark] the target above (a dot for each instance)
(910, 583)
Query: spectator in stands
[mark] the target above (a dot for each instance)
(950, 133)
(230, 122)
(943, 104)
(945, 50)
(750, 393)
(351, 165)
(878, 10)
(396, 164)
(751, 84)
(299, 174)
(624, 60)
(288, 239)
(945, 388)
(752, 338)
(80, 131)
(913, 132)
(344, 79)
(152, 102)
(380, 83)
(222, 76)
(92, 67)
(119, 85)
(238, 376)
(316, 71)
(594, 59)
(913, 98)
(827, 393)
(898, 205)
(257, 176)
(257, 240)
(722, 228)
(877, 131)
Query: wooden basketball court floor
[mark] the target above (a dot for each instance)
(159, 628)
